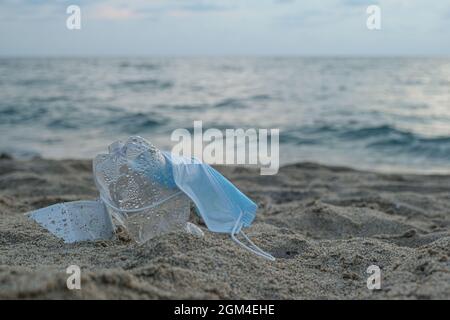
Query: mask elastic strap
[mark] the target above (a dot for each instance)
(253, 247)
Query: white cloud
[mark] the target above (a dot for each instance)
(113, 13)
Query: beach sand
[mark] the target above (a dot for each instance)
(325, 226)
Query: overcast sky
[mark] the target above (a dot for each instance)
(225, 27)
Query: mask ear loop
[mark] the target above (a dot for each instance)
(253, 248)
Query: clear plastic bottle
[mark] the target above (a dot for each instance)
(137, 186)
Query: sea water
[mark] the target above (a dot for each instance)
(388, 114)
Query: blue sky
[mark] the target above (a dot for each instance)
(225, 27)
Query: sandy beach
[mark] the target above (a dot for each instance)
(325, 226)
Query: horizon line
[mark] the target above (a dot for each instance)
(262, 55)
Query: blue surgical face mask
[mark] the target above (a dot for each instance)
(223, 207)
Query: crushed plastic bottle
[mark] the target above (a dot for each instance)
(137, 186)
(76, 221)
(194, 230)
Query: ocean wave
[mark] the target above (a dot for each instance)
(185, 106)
(394, 140)
(230, 103)
(260, 97)
(135, 123)
(241, 102)
(369, 132)
(63, 123)
(390, 133)
(21, 115)
(143, 84)
(140, 66)
(37, 82)
(383, 138)
(49, 99)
